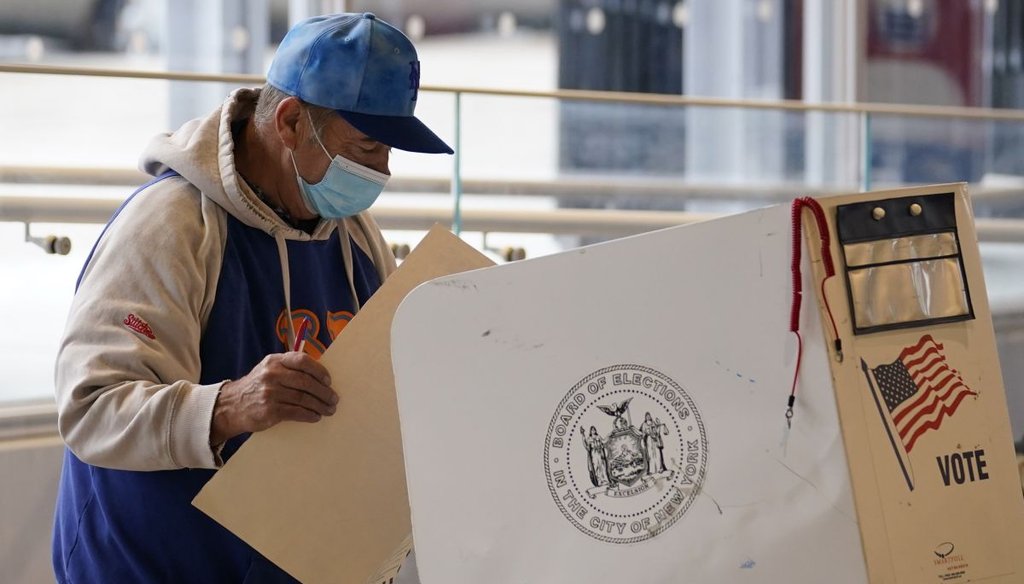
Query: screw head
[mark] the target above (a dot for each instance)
(916, 209)
(878, 213)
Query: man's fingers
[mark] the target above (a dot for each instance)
(302, 399)
(300, 381)
(297, 414)
(298, 370)
(302, 362)
(285, 386)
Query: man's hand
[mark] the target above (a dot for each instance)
(283, 386)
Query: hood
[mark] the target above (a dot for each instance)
(203, 152)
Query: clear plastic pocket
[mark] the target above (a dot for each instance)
(900, 249)
(903, 263)
(908, 292)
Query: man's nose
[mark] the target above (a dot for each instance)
(381, 161)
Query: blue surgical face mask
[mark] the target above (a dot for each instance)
(348, 188)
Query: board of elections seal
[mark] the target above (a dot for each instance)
(625, 454)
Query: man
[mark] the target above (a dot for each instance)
(177, 343)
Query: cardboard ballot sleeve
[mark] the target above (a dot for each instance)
(327, 502)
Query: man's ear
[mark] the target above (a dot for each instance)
(286, 121)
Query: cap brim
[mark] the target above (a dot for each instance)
(402, 132)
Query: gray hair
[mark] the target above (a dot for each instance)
(271, 97)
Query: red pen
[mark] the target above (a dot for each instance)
(300, 335)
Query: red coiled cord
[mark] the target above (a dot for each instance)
(799, 204)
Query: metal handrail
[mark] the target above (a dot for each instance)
(591, 186)
(567, 94)
(560, 221)
(562, 186)
(35, 419)
(598, 222)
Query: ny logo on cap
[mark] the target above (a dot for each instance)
(414, 78)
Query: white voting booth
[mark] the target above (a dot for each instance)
(494, 368)
(616, 413)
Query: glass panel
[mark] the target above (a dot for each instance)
(105, 125)
(35, 295)
(921, 150)
(918, 150)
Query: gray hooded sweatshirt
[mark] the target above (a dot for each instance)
(132, 376)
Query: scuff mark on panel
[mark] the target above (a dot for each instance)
(455, 283)
(816, 490)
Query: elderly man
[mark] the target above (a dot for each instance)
(181, 337)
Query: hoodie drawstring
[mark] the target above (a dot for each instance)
(346, 254)
(282, 254)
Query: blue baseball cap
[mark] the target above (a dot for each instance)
(364, 69)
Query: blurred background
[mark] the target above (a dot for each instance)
(575, 121)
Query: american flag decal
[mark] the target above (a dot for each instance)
(916, 392)
(920, 390)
